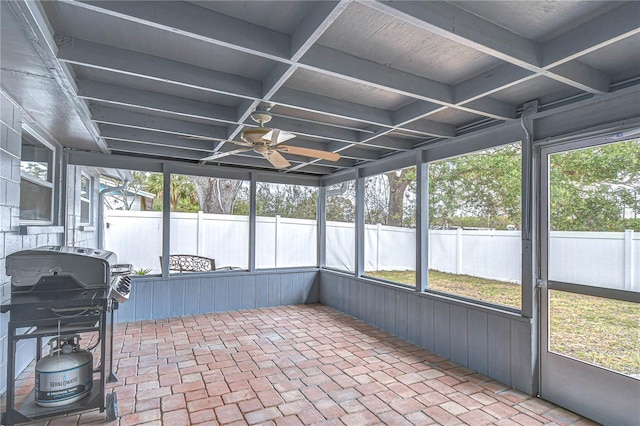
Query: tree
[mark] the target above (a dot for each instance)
(216, 195)
(480, 190)
(594, 189)
(295, 201)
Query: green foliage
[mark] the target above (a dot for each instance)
(142, 271)
(593, 189)
(341, 202)
(480, 189)
(294, 201)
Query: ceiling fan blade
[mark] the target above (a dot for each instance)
(276, 136)
(219, 154)
(276, 159)
(308, 152)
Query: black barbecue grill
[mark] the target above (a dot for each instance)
(58, 292)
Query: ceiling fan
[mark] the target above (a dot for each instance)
(267, 142)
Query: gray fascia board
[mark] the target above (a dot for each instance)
(395, 162)
(600, 32)
(114, 59)
(198, 23)
(120, 95)
(339, 177)
(138, 120)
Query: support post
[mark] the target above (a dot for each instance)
(422, 223)
(359, 266)
(166, 217)
(629, 260)
(252, 222)
(200, 234)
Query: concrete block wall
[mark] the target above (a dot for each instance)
(11, 239)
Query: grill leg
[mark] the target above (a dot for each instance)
(112, 376)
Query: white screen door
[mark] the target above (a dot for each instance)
(590, 270)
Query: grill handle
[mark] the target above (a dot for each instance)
(121, 269)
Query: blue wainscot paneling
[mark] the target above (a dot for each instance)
(495, 343)
(190, 294)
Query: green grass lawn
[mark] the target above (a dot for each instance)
(592, 329)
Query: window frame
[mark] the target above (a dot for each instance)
(49, 183)
(88, 199)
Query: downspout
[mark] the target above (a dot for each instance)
(101, 209)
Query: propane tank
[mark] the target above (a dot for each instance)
(65, 375)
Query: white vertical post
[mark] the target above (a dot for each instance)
(459, 251)
(629, 259)
(378, 231)
(277, 235)
(199, 234)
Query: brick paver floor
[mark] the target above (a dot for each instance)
(297, 365)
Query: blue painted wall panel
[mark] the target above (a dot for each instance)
(499, 345)
(262, 291)
(286, 290)
(478, 341)
(192, 297)
(144, 300)
(176, 298)
(413, 318)
(402, 312)
(274, 290)
(427, 334)
(442, 329)
(207, 292)
(235, 292)
(161, 299)
(248, 292)
(459, 328)
(221, 295)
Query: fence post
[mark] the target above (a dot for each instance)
(629, 259)
(378, 230)
(277, 236)
(200, 234)
(459, 251)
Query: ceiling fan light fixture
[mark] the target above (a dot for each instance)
(254, 136)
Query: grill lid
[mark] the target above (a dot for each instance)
(88, 267)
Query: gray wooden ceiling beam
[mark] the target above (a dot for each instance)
(138, 120)
(198, 23)
(596, 34)
(119, 95)
(330, 106)
(470, 30)
(113, 59)
(154, 138)
(155, 150)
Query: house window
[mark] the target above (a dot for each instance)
(36, 181)
(86, 187)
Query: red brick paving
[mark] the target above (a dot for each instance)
(296, 365)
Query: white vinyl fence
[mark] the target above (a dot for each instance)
(605, 259)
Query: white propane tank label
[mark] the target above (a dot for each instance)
(62, 387)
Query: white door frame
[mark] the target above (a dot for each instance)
(597, 393)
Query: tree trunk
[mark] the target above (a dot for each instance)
(397, 185)
(216, 195)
